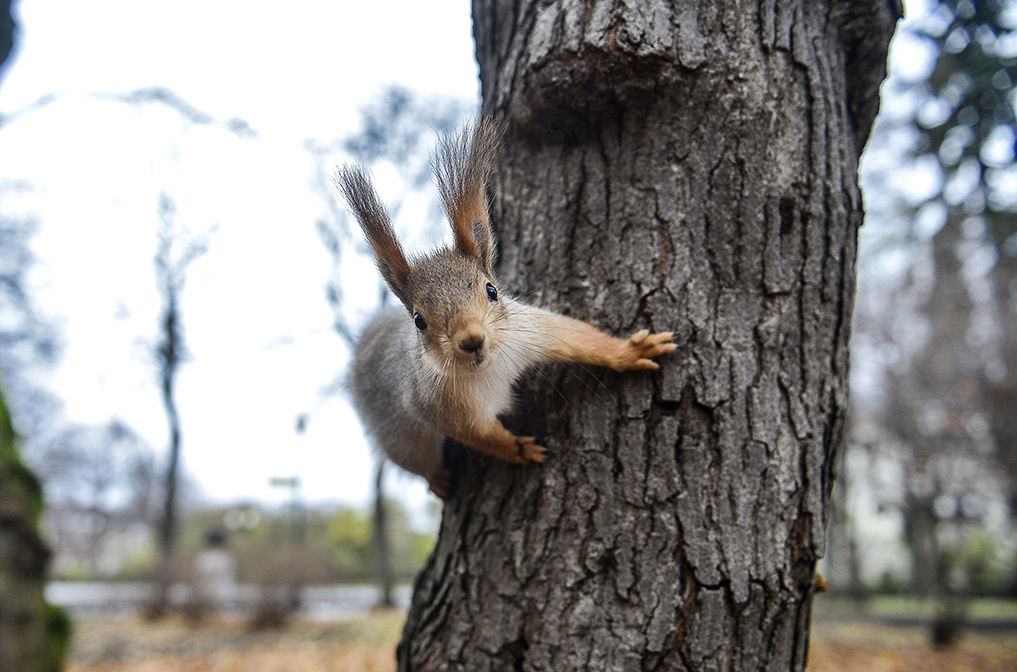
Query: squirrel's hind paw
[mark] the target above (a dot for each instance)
(440, 483)
(529, 451)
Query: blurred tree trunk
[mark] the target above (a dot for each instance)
(382, 552)
(919, 519)
(843, 566)
(169, 359)
(175, 252)
(688, 167)
(33, 634)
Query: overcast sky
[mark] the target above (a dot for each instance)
(254, 308)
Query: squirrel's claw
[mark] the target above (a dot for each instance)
(639, 336)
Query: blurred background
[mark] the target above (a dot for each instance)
(179, 288)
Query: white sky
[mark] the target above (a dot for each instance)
(254, 309)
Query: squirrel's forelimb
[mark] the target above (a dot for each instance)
(566, 339)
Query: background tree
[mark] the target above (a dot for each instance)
(23, 335)
(175, 252)
(967, 131)
(689, 167)
(943, 342)
(25, 338)
(33, 635)
(99, 479)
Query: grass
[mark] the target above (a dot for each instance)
(904, 607)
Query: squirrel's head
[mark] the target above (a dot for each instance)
(450, 294)
(456, 310)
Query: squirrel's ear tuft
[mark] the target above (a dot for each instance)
(462, 166)
(483, 240)
(354, 184)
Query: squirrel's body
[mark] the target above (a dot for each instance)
(409, 422)
(444, 366)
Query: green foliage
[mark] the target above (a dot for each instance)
(324, 545)
(59, 630)
(22, 483)
(974, 565)
(138, 562)
(889, 584)
(348, 540)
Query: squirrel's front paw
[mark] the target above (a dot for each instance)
(643, 345)
(528, 450)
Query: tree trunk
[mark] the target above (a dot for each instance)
(169, 352)
(687, 167)
(33, 634)
(175, 251)
(382, 552)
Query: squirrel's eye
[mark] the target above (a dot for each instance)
(492, 293)
(419, 320)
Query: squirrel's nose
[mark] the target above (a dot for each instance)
(471, 343)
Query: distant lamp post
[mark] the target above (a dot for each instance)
(291, 482)
(296, 520)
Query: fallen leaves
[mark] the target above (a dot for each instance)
(229, 646)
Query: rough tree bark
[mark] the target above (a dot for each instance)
(679, 166)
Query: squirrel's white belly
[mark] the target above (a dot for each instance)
(492, 387)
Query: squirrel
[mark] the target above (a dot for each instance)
(445, 363)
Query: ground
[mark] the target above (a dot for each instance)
(368, 645)
(874, 647)
(220, 645)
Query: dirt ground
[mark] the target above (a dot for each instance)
(368, 645)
